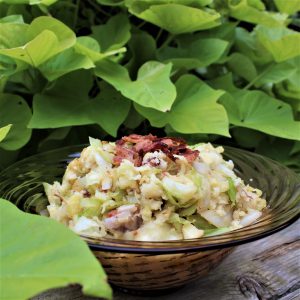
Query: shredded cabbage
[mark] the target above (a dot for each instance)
(161, 199)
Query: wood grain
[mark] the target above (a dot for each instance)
(268, 269)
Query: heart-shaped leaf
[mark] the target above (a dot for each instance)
(14, 110)
(38, 253)
(175, 18)
(257, 110)
(195, 110)
(152, 88)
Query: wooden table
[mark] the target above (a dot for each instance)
(268, 269)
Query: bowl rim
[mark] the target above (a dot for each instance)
(225, 240)
(132, 246)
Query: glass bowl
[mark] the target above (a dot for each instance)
(154, 267)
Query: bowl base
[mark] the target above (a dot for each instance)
(149, 293)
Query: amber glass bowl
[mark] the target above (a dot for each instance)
(159, 266)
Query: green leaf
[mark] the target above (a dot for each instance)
(63, 63)
(32, 53)
(89, 47)
(216, 231)
(224, 82)
(175, 18)
(288, 7)
(114, 34)
(195, 110)
(7, 158)
(247, 138)
(257, 110)
(231, 191)
(248, 44)
(296, 148)
(281, 150)
(31, 2)
(275, 73)
(52, 110)
(289, 89)
(23, 42)
(4, 131)
(14, 110)
(104, 111)
(254, 12)
(242, 66)
(134, 119)
(12, 35)
(143, 48)
(197, 54)
(55, 138)
(44, 256)
(152, 88)
(282, 43)
(66, 37)
(200, 222)
(16, 19)
(75, 84)
(111, 2)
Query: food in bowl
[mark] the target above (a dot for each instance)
(146, 188)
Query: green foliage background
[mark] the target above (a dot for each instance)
(225, 71)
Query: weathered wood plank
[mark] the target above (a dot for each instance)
(267, 269)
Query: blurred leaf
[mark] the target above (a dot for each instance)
(143, 49)
(295, 149)
(14, 110)
(152, 88)
(23, 42)
(63, 63)
(288, 7)
(114, 34)
(12, 35)
(110, 109)
(134, 119)
(43, 263)
(282, 43)
(248, 44)
(224, 82)
(254, 12)
(4, 131)
(111, 2)
(75, 84)
(195, 110)
(275, 73)
(7, 158)
(173, 17)
(31, 2)
(282, 151)
(50, 110)
(257, 110)
(242, 66)
(247, 138)
(56, 137)
(16, 19)
(199, 53)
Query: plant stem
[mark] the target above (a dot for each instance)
(76, 14)
(97, 7)
(249, 85)
(141, 24)
(159, 34)
(167, 41)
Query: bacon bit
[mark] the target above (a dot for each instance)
(112, 213)
(86, 194)
(134, 147)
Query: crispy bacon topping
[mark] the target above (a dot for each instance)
(134, 147)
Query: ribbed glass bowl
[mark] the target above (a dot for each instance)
(157, 266)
